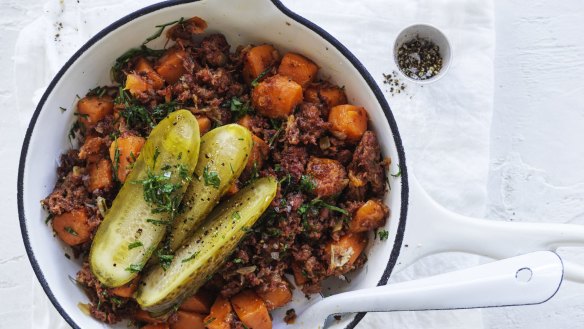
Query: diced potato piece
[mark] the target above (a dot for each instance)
(346, 251)
(92, 109)
(251, 310)
(136, 84)
(127, 290)
(198, 303)
(170, 66)
(100, 175)
(298, 68)
(128, 148)
(188, 320)
(220, 315)
(348, 121)
(73, 227)
(257, 60)
(204, 124)
(143, 67)
(277, 297)
(277, 96)
(259, 154)
(369, 216)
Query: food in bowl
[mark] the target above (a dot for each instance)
(194, 147)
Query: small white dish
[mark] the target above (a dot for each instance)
(427, 32)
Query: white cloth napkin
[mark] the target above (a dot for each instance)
(445, 125)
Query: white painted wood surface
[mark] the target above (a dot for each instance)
(536, 148)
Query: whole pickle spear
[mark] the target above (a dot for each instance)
(222, 158)
(136, 222)
(206, 250)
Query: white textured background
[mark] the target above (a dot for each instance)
(535, 140)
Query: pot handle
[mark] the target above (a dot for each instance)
(432, 229)
(523, 280)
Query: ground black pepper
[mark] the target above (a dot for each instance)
(395, 85)
(419, 58)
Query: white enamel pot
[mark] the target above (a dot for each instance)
(418, 226)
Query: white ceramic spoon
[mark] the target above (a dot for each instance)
(523, 280)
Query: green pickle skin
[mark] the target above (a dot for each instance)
(206, 249)
(224, 150)
(175, 143)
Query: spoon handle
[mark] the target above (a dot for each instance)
(523, 280)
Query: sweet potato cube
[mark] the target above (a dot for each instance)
(369, 216)
(123, 152)
(144, 316)
(277, 96)
(204, 124)
(251, 310)
(333, 96)
(156, 326)
(198, 303)
(298, 68)
(231, 190)
(92, 109)
(136, 84)
(100, 175)
(348, 121)
(144, 69)
(277, 297)
(257, 60)
(346, 251)
(259, 154)
(170, 66)
(73, 227)
(127, 290)
(188, 320)
(220, 315)
(299, 276)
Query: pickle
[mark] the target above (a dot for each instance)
(206, 250)
(222, 158)
(137, 220)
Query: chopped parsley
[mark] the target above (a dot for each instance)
(239, 108)
(317, 204)
(211, 177)
(237, 260)
(191, 257)
(211, 319)
(116, 70)
(135, 244)
(134, 268)
(398, 174)
(116, 300)
(157, 221)
(116, 163)
(164, 259)
(256, 81)
(235, 215)
(76, 128)
(161, 28)
(71, 231)
(383, 235)
(307, 183)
